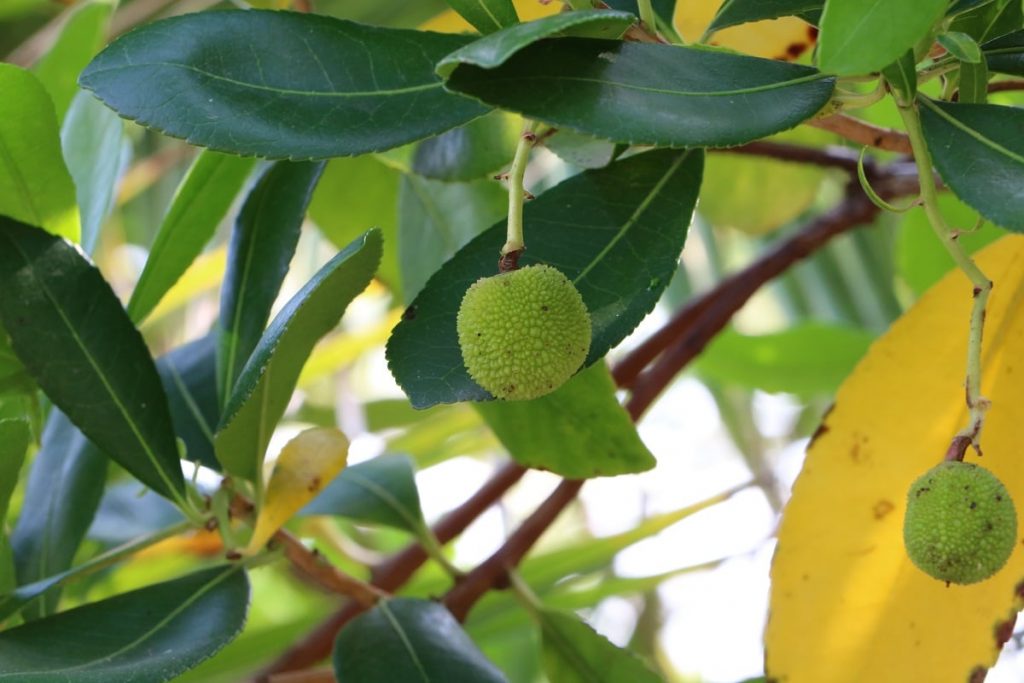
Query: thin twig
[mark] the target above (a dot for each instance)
(314, 567)
(829, 157)
(1005, 86)
(864, 133)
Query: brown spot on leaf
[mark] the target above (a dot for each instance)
(409, 314)
(977, 675)
(1003, 632)
(882, 508)
(794, 50)
(314, 484)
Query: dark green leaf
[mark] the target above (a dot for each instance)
(486, 16)
(8, 579)
(616, 232)
(262, 245)
(810, 358)
(961, 46)
(124, 515)
(649, 94)
(468, 152)
(189, 377)
(202, 200)
(419, 640)
(973, 87)
(35, 186)
(436, 219)
(901, 76)
(267, 381)
(15, 436)
(862, 36)
(1006, 54)
(665, 9)
(96, 153)
(580, 150)
(69, 329)
(990, 21)
(579, 431)
(378, 491)
(978, 150)
(10, 366)
(961, 6)
(575, 653)
(327, 87)
(152, 634)
(83, 33)
(735, 12)
(64, 488)
(498, 48)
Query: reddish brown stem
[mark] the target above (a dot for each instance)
(864, 133)
(1005, 86)
(829, 157)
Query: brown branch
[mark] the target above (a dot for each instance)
(864, 133)
(1005, 86)
(393, 573)
(314, 567)
(830, 157)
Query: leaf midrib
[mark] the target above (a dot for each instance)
(400, 632)
(385, 496)
(973, 133)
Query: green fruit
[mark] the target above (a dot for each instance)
(523, 333)
(961, 526)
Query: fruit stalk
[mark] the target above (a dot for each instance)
(978, 405)
(516, 194)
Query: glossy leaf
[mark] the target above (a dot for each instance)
(449, 21)
(961, 46)
(334, 88)
(583, 151)
(35, 186)
(82, 34)
(847, 605)
(861, 36)
(378, 491)
(1006, 54)
(809, 358)
(476, 150)
(575, 653)
(10, 366)
(437, 219)
(15, 437)
(578, 431)
(735, 12)
(262, 245)
(307, 464)
(419, 640)
(786, 38)
(125, 515)
(486, 16)
(973, 87)
(979, 153)
(901, 76)
(96, 153)
(202, 200)
(266, 383)
(152, 634)
(649, 94)
(56, 305)
(990, 21)
(65, 484)
(189, 377)
(496, 49)
(616, 232)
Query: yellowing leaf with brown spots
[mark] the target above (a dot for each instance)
(528, 10)
(306, 465)
(785, 38)
(847, 606)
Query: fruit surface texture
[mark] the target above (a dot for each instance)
(960, 526)
(524, 333)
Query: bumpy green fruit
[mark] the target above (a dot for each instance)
(961, 526)
(523, 333)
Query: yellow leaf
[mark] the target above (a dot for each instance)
(450, 22)
(785, 38)
(306, 465)
(847, 606)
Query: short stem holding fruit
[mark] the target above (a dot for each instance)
(516, 194)
(976, 403)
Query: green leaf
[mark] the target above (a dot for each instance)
(15, 437)
(664, 9)
(353, 195)
(7, 571)
(736, 12)
(65, 484)
(83, 33)
(1006, 54)
(202, 200)
(961, 46)
(152, 634)
(328, 88)
(861, 36)
(496, 49)
(809, 358)
(419, 640)
(96, 153)
(69, 329)
(437, 219)
(583, 151)
(979, 153)
(901, 76)
(189, 377)
(616, 232)
(35, 186)
(973, 88)
(378, 491)
(649, 94)
(578, 431)
(10, 366)
(475, 150)
(262, 245)
(990, 21)
(267, 381)
(486, 16)
(575, 653)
